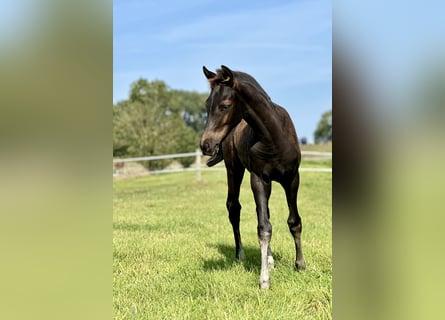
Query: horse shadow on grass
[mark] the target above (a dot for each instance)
(251, 263)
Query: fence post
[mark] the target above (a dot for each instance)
(198, 165)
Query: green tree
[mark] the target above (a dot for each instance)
(191, 106)
(147, 124)
(323, 133)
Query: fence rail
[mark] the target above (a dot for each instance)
(161, 157)
(199, 153)
(198, 167)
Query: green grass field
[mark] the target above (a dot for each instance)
(173, 251)
(324, 147)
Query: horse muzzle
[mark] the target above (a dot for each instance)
(215, 152)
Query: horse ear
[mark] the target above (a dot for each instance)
(209, 74)
(228, 76)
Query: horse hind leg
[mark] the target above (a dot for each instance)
(294, 221)
(270, 260)
(295, 228)
(261, 191)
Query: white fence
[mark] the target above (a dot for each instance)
(118, 164)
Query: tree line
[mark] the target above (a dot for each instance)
(156, 119)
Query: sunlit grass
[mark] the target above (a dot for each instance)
(174, 251)
(322, 147)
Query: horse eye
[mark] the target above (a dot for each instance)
(225, 107)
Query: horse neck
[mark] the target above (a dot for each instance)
(261, 114)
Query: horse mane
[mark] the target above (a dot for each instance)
(239, 77)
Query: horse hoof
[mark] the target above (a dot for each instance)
(300, 265)
(241, 256)
(265, 285)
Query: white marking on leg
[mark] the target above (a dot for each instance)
(242, 255)
(270, 262)
(264, 275)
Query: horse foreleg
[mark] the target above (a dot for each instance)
(234, 208)
(234, 179)
(261, 192)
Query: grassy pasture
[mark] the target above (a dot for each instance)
(173, 251)
(323, 147)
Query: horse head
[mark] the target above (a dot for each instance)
(224, 112)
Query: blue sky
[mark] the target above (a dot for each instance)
(285, 45)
